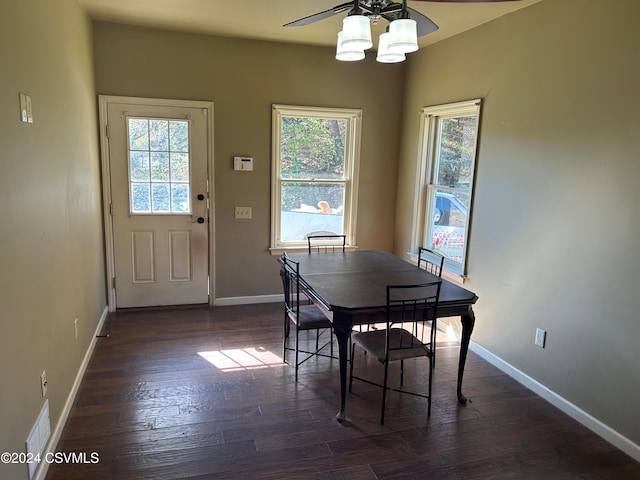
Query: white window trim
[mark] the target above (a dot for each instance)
(424, 174)
(352, 166)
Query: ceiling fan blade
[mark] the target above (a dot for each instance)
(424, 24)
(320, 15)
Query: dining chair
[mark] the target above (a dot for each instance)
(407, 305)
(303, 315)
(326, 243)
(433, 261)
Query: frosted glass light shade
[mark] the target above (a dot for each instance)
(384, 54)
(356, 32)
(403, 35)
(347, 53)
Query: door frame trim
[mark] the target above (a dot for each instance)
(103, 103)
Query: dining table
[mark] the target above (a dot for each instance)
(351, 288)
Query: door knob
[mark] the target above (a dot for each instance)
(200, 220)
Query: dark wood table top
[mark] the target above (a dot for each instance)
(355, 281)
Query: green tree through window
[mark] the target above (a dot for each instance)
(314, 171)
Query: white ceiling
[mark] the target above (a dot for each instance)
(263, 19)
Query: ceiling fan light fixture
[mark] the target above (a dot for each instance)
(356, 32)
(384, 54)
(345, 53)
(403, 35)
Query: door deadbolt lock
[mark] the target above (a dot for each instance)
(200, 197)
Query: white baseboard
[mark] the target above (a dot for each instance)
(220, 302)
(57, 432)
(615, 438)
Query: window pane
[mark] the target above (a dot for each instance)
(159, 156)
(312, 148)
(315, 173)
(140, 201)
(449, 217)
(448, 156)
(308, 208)
(139, 166)
(160, 197)
(179, 167)
(159, 135)
(456, 151)
(159, 166)
(179, 136)
(180, 198)
(138, 134)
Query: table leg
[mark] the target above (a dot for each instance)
(468, 321)
(342, 329)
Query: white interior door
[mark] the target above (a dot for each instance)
(158, 158)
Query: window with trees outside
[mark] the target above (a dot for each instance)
(158, 151)
(314, 173)
(445, 183)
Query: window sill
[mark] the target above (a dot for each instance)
(453, 277)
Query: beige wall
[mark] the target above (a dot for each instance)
(244, 78)
(556, 221)
(51, 247)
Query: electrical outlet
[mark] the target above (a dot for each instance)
(243, 213)
(541, 336)
(43, 382)
(75, 328)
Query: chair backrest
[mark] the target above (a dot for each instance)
(291, 283)
(326, 243)
(431, 261)
(410, 307)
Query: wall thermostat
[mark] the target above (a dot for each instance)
(243, 163)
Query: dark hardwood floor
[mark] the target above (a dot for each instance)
(202, 393)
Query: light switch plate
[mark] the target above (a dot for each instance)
(29, 111)
(243, 213)
(26, 113)
(23, 107)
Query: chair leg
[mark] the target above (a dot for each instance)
(353, 348)
(384, 392)
(285, 338)
(433, 341)
(296, 355)
(431, 365)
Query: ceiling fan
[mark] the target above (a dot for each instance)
(405, 25)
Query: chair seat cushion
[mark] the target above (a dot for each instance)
(402, 344)
(310, 317)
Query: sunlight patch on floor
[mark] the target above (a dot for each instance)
(452, 334)
(236, 359)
